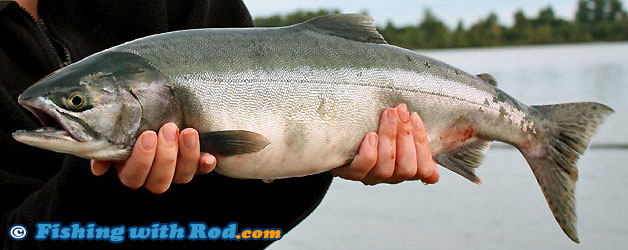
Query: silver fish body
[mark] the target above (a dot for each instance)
(315, 96)
(297, 100)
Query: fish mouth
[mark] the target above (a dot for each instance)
(64, 132)
(55, 124)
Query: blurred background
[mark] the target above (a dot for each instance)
(540, 52)
(419, 24)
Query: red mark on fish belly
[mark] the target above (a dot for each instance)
(457, 135)
(467, 133)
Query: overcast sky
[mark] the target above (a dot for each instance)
(403, 12)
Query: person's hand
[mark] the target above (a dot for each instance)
(160, 159)
(398, 152)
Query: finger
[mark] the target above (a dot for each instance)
(425, 163)
(406, 160)
(433, 178)
(162, 171)
(386, 149)
(363, 162)
(188, 157)
(268, 181)
(135, 170)
(99, 167)
(207, 163)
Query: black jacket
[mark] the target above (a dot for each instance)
(43, 186)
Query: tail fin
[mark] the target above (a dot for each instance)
(553, 161)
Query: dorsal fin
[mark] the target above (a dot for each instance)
(354, 27)
(488, 78)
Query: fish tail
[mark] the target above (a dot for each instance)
(553, 159)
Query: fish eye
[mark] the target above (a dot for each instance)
(77, 101)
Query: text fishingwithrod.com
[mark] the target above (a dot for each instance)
(194, 231)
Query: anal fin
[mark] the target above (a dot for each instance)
(232, 142)
(464, 159)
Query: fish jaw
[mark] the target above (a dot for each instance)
(60, 141)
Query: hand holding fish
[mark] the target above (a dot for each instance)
(402, 137)
(161, 159)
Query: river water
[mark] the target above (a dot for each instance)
(508, 211)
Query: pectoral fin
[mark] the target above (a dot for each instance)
(232, 142)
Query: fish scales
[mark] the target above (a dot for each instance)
(282, 82)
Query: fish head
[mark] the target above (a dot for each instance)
(96, 108)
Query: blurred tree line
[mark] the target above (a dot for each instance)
(595, 20)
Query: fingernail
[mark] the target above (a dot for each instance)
(392, 116)
(416, 121)
(372, 140)
(208, 163)
(170, 133)
(403, 113)
(189, 139)
(148, 142)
